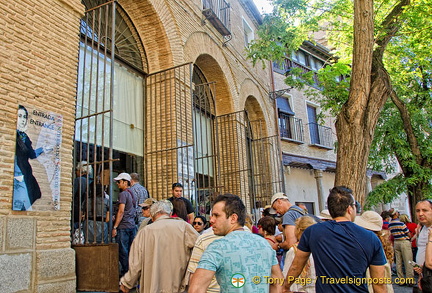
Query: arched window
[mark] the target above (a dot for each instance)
(109, 125)
(204, 150)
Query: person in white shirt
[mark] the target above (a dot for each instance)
(424, 216)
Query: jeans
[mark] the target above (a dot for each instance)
(124, 239)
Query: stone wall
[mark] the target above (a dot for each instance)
(38, 56)
(38, 67)
(298, 102)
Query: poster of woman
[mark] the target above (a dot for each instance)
(37, 160)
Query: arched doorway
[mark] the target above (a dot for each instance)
(109, 129)
(203, 116)
(109, 134)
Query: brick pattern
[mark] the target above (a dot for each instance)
(236, 81)
(38, 53)
(299, 101)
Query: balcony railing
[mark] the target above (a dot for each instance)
(291, 128)
(321, 136)
(293, 64)
(285, 67)
(218, 13)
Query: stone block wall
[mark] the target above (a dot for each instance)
(38, 66)
(298, 102)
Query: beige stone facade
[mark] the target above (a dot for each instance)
(38, 67)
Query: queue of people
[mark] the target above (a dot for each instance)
(172, 250)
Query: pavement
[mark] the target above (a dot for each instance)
(401, 289)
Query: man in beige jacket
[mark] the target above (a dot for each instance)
(160, 253)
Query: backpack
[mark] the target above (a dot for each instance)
(135, 204)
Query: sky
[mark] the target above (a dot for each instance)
(263, 5)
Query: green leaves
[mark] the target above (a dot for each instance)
(386, 192)
(403, 29)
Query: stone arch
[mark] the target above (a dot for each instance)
(152, 32)
(255, 106)
(207, 55)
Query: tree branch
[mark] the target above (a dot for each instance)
(409, 130)
(390, 26)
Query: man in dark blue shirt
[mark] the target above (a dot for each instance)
(177, 191)
(342, 251)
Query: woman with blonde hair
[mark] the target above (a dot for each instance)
(308, 272)
(372, 221)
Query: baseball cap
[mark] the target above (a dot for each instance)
(270, 210)
(123, 176)
(278, 195)
(147, 202)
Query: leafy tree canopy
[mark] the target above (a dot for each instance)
(403, 129)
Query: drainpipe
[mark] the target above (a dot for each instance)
(272, 84)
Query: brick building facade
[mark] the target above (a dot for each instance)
(181, 101)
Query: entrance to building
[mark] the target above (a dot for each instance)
(108, 137)
(164, 127)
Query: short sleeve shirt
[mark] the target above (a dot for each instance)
(292, 215)
(189, 207)
(342, 252)
(237, 258)
(128, 220)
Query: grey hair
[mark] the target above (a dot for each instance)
(161, 207)
(85, 168)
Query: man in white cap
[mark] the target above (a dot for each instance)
(124, 227)
(290, 212)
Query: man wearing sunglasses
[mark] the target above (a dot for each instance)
(342, 250)
(145, 207)
(124, 227)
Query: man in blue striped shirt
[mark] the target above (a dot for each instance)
(402, 246)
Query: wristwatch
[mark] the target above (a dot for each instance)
(115, 228)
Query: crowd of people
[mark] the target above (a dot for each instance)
(167, 248)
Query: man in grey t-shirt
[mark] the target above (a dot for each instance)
(124, 227)
(290, 212)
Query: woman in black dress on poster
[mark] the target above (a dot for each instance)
(26, 187)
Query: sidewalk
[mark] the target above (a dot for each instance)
(401, 289)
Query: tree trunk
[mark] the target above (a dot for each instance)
(353, 139)
(415, 194)
(370, 88)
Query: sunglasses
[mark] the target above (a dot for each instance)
(145, 208)
(197, 223)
